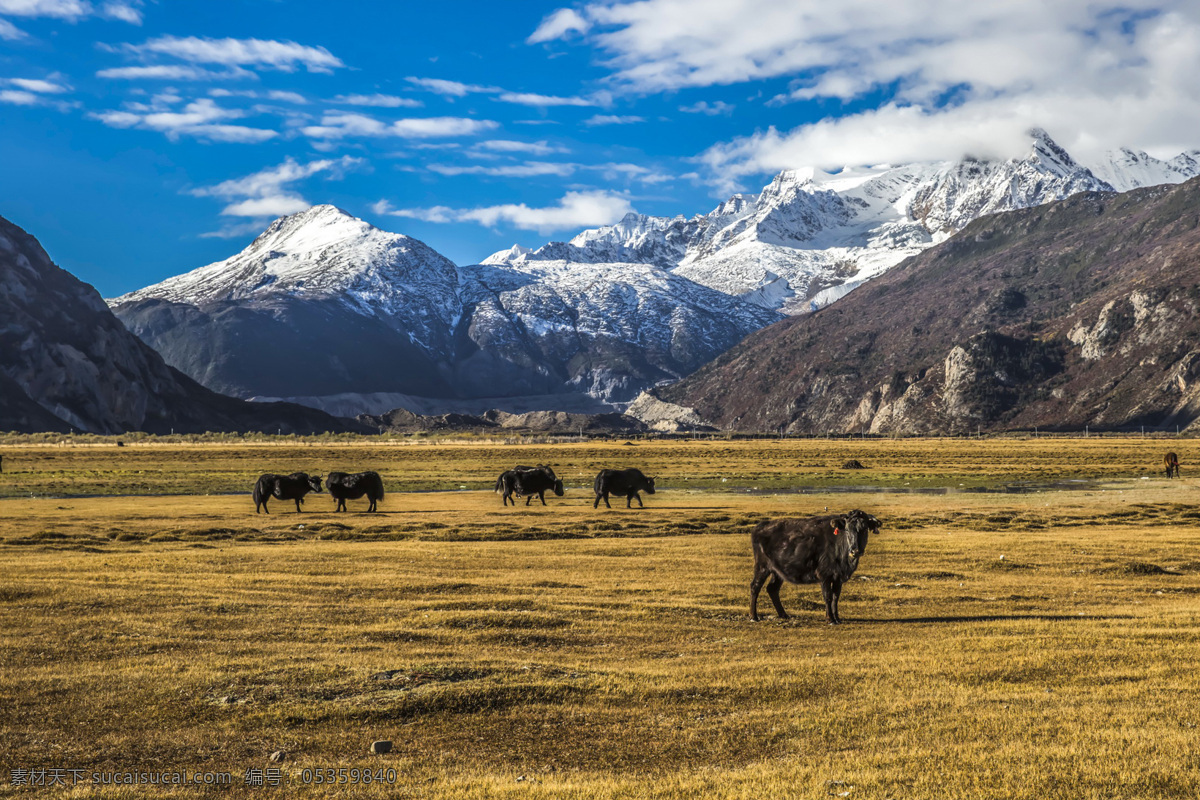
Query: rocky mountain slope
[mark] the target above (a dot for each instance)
(809, 237)
(66, 363)
(1082, 312)
(559, 423)
(323, 305)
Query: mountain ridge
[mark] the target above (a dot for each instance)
(809, 237)
(1083, 312)
(323, 304)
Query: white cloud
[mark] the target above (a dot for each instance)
(262, 207)
(451, 88)
(615, 171)
(709, 109)
(35, 92)
(339, 125)
(527, 170)
(612, 119)
(37, 85)
(575, 210)
(543, 101)
(71, 10)
(294, 98)
(16, 97)
(285, 56)
(268, 193)
(539, 148)
(59, 9)
(10, 32)
(954, 78)
(378, 100)
(432, 127)
(126, 12)
(558, 25)
(200, 119)
(174, 72)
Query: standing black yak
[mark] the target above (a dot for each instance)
(622, 483)
(822, 550)
(527, 482)
(343, 487)
(284, 487)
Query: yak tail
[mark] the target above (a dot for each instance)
(499, 485)
(377, 490)
(260, 492)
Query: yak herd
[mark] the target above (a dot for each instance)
(822, 549)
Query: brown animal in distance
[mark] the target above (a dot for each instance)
(1171, 462)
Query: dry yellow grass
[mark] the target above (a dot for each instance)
(1033, 645)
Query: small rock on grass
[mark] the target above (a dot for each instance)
(278, 756)
(381, 747)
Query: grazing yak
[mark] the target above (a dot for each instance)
(622, 482)
(343, 487)
(1171, 462)
(527, 482)
(284, 487)
(822, 550)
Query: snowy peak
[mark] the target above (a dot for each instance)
(512, 255)
(1047, 156)
(810, 232)
(320, 252)
(1127, 169)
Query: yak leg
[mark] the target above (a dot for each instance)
(638, 497)
(264, 507)
(604, 495)
(773, 587)
(831, 591)
(371, 507)
(298, 502)
(760, 575)
(542, 497)
(507, 497)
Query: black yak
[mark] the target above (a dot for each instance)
(527, 482)
(343, 487)
(622, 483)
(822, 550)
(284, 487)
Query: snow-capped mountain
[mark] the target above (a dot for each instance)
(325, 304)
(810, 236)
(635, 324)
(323, 254)
(1127, 169)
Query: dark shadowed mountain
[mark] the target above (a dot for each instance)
(67, 363)
(1079, 312)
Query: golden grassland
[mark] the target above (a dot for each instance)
(1039, 644)
(148, 467)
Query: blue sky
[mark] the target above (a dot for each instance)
(144, 139)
